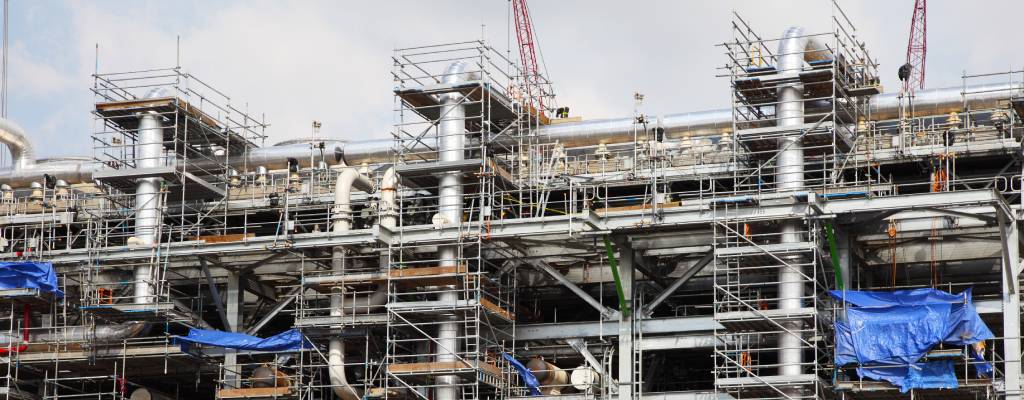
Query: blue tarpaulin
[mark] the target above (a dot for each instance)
(525, 373)
(926, 375)
(887, 334)
(290, 340)
(29, 275)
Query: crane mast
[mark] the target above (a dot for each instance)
(528, 55)
(917, 47)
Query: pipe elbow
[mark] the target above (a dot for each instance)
(23, 155)
(796, 47)
(348, 179)
(459, 72)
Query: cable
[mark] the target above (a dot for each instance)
(3, 75)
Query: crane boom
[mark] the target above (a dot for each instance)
(528, 54)
(917, 47)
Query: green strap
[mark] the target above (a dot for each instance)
(833, 248)
(623, 307)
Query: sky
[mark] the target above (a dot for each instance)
(330, 61)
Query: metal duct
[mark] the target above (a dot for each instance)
(101, 333)
(72, 170)
(451, 137)
(574, 134)
(551, 378)
(341, 219)
(368, 152)
(717, 122)
(149, 150)
(789, 176)
(12, 135)
(306, 153)
(946, 100)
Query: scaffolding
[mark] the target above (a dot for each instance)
(202, 135)
(770, 275)
(450, 309)
(496, 251)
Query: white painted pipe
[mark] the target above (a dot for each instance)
(793, 50)
(341, 219)
(451, 147)
(100, 333)
(22, 153)
(149, 150)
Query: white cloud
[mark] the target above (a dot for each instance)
(31, 76)
(330, 61)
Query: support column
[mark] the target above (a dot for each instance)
(845, 245)
(1011, 308)
(233, 307)
(626, 323)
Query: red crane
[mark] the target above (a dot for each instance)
(917, 47)
(528, 54)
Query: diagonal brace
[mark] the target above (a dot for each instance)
(606, 312)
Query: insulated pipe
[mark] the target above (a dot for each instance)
(341, 219)
(946, 100)
(451, 136)
(551, 378)
(388, 209)
(22, 154)
(99, 333)
(147, 195)
(789, 176)
(72, 170)
(306, 153)
(711, 123)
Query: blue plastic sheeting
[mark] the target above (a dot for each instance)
(525, 373)
(981, 366)
(911, 297)
(843, 195)
(927, 375)
(887, 334)
(290, 340)
(29, 275)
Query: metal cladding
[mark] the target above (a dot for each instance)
(710, 123)
(17, 141)
(794, 49)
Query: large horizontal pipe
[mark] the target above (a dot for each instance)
(71, 170)
(573, 134)
(717, 122)
(946, 100)
(99, 333)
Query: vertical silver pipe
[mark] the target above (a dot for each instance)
(147, 200)
(789, 177)
(451, 147)
(341, 218)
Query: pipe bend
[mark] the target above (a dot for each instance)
(796, 47)
(23, 155)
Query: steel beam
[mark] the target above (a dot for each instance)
(605, 311)
(580, 346)
(679, 282)
(288, 298)
(1011, 308)
(248, 268)
(692, 215)
(627, 353)
(215, 294)
(235, 296)
(598, 329)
